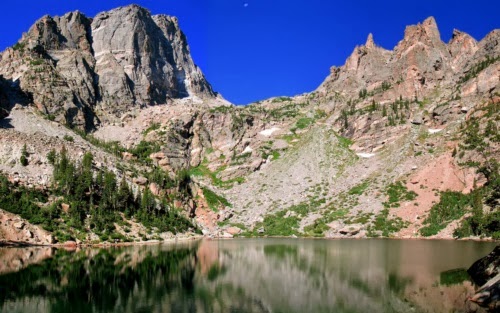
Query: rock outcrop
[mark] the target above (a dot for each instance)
(17, 231)
(485, 273)
(98, 69)
(418, 64)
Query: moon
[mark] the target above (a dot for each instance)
(245, 5)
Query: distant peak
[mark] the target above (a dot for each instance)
(369, 41)
(456, 33)
(426, 32)
(430, 22)
(131, 8)
(460, 35)
(431, 28)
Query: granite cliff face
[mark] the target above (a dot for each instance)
(82, 71)
(415, 122)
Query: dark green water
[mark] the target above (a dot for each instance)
(243, 275)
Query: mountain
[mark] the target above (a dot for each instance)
(99, 68)
(395, 143)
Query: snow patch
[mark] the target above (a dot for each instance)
(247, 150)
(269, 132)
(433, 131)
(365, 155)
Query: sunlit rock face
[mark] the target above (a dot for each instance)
(100, 68)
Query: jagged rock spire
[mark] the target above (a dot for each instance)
(369, 41)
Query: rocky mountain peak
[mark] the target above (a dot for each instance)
(461, 47)
(418, 63)
(369, 42)
(101, 68)
(426, 33)
(431, 29)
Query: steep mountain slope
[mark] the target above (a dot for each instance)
(393, 143)
(405, 110)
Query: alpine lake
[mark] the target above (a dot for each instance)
(243, 275)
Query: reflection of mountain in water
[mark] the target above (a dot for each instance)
(263, 275)
(131, 279)
(309, 277)
(347, 275)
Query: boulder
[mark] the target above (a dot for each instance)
(225, 235)
(65, 207)
(485, 272)
(418, 120)
(19, 225)
(155, 189)
(233, 230)
(49, 239)
(486, 268)
(142, 181)
(255, 166)
(280, 144)
(70, 244)
(350, 230)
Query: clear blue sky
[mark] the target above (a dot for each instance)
(254, 49)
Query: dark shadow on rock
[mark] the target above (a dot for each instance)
(11, 94)
(5, 123)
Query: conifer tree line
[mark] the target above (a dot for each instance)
(97, 199)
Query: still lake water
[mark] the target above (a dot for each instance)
(243, 275)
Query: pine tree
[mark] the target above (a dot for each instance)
(24, 156)
(52, 157)
(125, 198)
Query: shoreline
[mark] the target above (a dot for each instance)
(70, 245)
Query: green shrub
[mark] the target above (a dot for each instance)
(317, 229)
(152, 127)
(144, 149)
(478, 67)
(214, 201)
(359, 189)
(19, 46)
(304, 122)
(396, 193)
(36, 62)
(451, 206)
(385, 225)
(278, 225)
(281, 99)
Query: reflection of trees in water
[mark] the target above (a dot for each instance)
(127, 279)
(100, 281)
